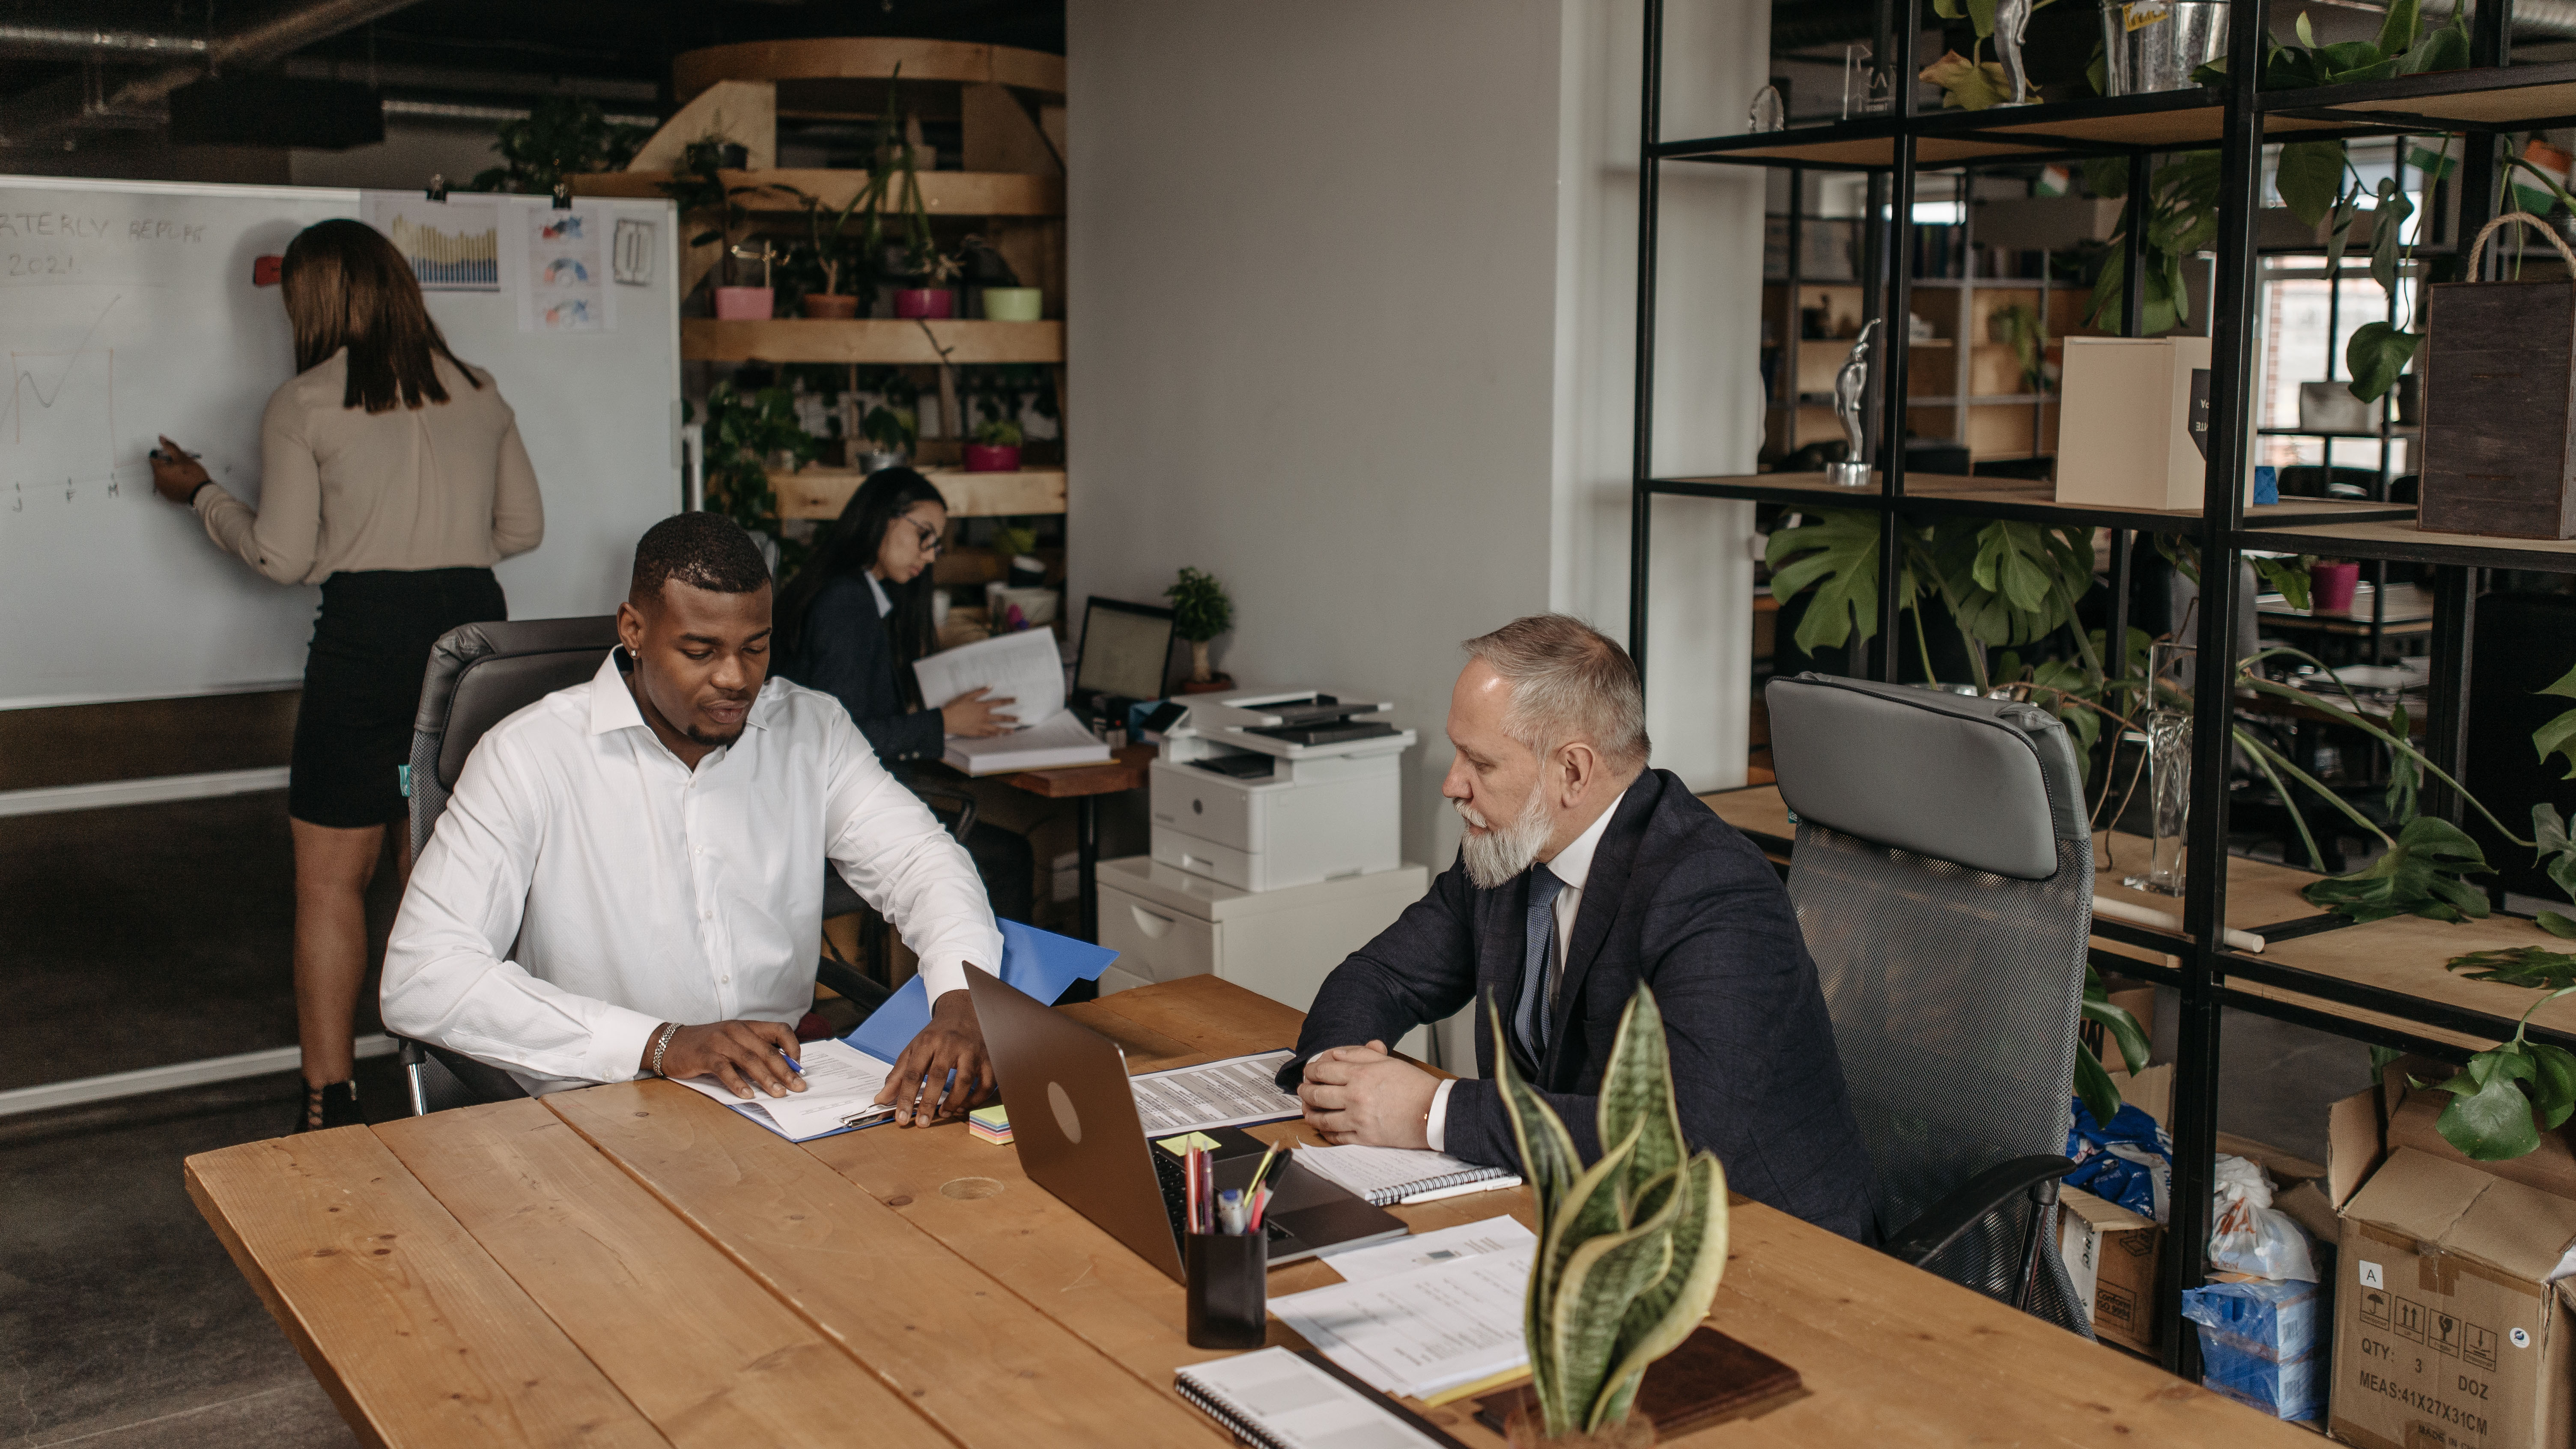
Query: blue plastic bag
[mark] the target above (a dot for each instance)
(2262, 1344)
(2129, 1162)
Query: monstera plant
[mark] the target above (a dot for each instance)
(1629, 1249)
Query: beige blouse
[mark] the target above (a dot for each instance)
(445, 485)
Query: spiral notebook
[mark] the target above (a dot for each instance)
(1277, 1399)
(1387, 1176)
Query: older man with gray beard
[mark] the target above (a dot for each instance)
(1581, 875)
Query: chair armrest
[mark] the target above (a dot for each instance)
(1949, 1219)
(846, 981)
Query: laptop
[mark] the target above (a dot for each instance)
(1073, 1119)
(1125, 657)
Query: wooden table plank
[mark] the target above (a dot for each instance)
(702, 1348)
(1147, 1050)
(417, 1335)
(983, 1365)
(1213, 1015)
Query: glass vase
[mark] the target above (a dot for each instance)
(2168, 722)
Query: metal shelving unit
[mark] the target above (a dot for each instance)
(2380, 983)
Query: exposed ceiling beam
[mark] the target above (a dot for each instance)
(56, 113)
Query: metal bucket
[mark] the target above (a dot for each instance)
(2155, 45)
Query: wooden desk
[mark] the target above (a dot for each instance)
(632, 1264)
(1086, 784)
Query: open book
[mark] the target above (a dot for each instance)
(1026, 669)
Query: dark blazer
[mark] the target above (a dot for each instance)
(1681, 901)
(845, 650)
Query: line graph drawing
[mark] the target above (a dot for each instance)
(58, 428)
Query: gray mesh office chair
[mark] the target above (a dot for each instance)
(478, 675)
(1943, 877)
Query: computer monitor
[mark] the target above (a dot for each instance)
(1126, 650)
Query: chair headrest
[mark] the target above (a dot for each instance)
(1989, 784)
(481, 674)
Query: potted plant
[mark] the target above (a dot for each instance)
(839, 262)
(746, 435)
(561, 136)
(697, 184)
(1200, 612)
(1630, 1249)
(2331, 583)
(995, 448)
(890, 434)
(927, 266)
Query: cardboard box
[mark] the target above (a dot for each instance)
(2111, 1254)
(2127, 420)
(2447, 1334)
(2411, 1116)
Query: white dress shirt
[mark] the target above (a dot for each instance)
(1572, 866)
(584, 886)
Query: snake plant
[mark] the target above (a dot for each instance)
(1630, 1249)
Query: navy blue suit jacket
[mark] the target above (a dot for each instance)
(1677, 899)
(846, 651)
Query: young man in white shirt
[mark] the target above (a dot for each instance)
(628, 879)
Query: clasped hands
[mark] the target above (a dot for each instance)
(744, 1055)
(1362, 1094)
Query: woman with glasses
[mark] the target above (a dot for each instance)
(854, 619)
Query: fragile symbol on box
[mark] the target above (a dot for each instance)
(2446, 1334)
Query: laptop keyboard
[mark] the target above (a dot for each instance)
(1173, 1179)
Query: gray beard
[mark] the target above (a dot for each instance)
(1500, 853)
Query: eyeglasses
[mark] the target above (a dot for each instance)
(929, 535)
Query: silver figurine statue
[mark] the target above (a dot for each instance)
(1851, 389)
(2012, 19)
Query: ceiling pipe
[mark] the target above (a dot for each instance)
(71, 42)
(58, 112)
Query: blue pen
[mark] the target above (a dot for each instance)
(791, 1062)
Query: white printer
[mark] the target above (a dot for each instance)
(1263, 789)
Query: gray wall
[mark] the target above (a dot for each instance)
(1350, 294)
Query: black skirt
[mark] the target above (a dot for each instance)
(362, 685)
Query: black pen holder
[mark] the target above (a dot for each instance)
(1229, 1288)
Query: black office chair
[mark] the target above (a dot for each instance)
(478, 675)
(1943, 878)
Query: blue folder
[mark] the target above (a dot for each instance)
(1040, 963)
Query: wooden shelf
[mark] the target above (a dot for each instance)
(878, 341)
(943, 193)
(2167, 120)
(2509, 97)
(868, 58)
(2401, 540)
(823, 492)
(2031, 501)
(2405, 955)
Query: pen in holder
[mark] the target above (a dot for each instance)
(1229, 1287)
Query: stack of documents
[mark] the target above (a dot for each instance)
(1449, 1326)
(1229, 1093)
(1027, 669)
(841, 1086)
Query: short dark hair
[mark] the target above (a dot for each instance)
(703, 550)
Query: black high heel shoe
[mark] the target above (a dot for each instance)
(335, 1105)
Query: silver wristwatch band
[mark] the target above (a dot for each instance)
(669, 1028)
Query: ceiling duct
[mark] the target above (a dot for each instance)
(58, 112)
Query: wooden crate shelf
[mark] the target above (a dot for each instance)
(870, 341)
(822, 493)
(943, 193)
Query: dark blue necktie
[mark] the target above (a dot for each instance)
(1529, 1015)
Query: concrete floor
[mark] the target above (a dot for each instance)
(160, 934)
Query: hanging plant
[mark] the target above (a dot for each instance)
(2508, 1093)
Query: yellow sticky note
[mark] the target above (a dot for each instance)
(1178, 1146)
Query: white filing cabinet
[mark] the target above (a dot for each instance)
(1166, 923)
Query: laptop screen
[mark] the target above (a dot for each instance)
(1126, 649)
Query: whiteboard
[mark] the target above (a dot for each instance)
(128, 310)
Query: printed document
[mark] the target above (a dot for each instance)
(1025, 667)
(1058, 741)
(841, 1083)
(1423, 1330)
(1423, 1250)
(1216, 1094)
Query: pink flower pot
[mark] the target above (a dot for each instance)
(924, 302)
(983, 459)
(746, 304)
(2330, 586)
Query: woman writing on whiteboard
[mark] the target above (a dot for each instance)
(392, 475)
(854, 619)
